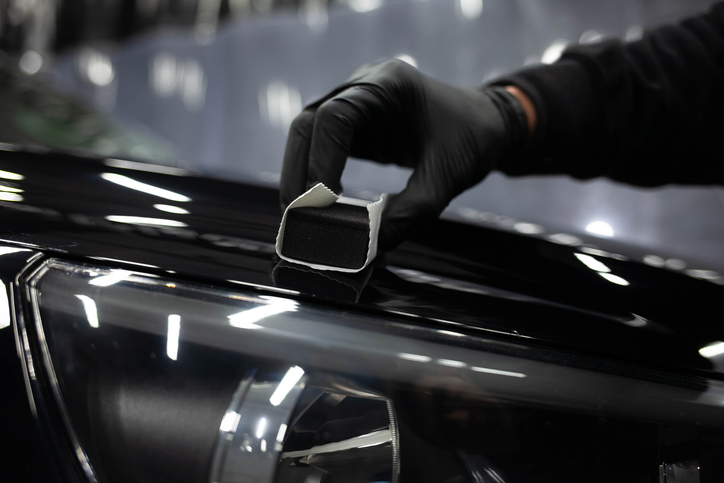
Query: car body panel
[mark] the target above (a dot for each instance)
(451, 275)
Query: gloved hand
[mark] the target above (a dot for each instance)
(391, 113)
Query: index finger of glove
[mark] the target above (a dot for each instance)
(337, 122)
(296, 158)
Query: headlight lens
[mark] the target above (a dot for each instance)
(160, 380)
(151, 389)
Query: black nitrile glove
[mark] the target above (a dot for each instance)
(391, 113)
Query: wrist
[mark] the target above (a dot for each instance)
(527, 105)
(514, 117)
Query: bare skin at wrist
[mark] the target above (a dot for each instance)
(528, 107)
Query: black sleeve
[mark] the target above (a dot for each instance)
(648, 113)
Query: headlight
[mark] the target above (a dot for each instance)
(160, 380)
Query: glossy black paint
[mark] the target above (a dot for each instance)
(454, 276)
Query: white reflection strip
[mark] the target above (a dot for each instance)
(142, 220)
(248, 318)
(4, 196)
(91, 311)
(614, 279)
(497, 372)
(414, 357)
(171, 209)
(151, 168)
(712, 350)
(174, 330)
(450, 332)
(592, 263)
(114, 277)
(290, 379)
(451, 363)
(261, 427)
(127, 182)
(9, 175)
(230, 422)
(282, 431)
(4, 307)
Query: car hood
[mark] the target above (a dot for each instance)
(459, 278)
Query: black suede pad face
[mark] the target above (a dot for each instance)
(337, 235)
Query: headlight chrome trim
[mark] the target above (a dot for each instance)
(249, 435)
(49, 372)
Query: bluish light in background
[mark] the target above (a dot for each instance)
(565, 239)
(279, 104)
(30, 62)
(96, 66)
(171, 76)
(365, 5)
(528, 228)
(554, 51)
(314, 14)
(654, 260)
(675, 264)
(471, 9)
(600, 228)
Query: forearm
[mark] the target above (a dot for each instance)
(632, 112)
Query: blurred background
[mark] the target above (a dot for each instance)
(213, 85)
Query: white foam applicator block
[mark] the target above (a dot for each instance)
(319, 196)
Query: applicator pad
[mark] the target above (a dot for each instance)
(323, 233)
(337, 235)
